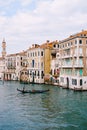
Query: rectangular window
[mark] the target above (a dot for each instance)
(21, 63)
(33, 63)
(86, 41)
(41, 53)
(75, 41)
(42, 65)
(80, 41)
(58, 45)
(71, 43)
(38, 53)
(42, 74)
(80, 61)
(68, 44)
(80, 50)
(75, 52)
(38, 65)
(38, 74)
(74, 81)
(81, 72)
(33, 54)
(28, 54)
(35, 73)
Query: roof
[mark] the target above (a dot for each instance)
(83, 33)
(23, 53)
(44, 45)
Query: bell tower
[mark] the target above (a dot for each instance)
(3, 48)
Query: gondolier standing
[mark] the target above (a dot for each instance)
(23, 88)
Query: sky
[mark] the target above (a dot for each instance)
(27, 22)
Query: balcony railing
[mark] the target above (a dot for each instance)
(66, 56)
(71, 66)
(66, 66)
(78, 65)
(70, 56)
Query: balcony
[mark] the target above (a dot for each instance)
(66, 56)
(78, 65)
(11, 67)
(67, 66)
(71, 66)
(78, 55)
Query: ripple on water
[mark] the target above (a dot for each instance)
(59, 109)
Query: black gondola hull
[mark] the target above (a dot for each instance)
(32, 91)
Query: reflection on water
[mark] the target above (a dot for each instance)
(58, 109)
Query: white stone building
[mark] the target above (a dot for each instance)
(35, 58)
(72, 59)
(14, 66)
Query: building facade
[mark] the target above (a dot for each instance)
(72, 58)
(35, 58)
(38, 57)
(14, 66)
(54, 64)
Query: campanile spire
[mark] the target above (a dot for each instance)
(3, 48)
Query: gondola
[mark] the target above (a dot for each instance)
(32, 91)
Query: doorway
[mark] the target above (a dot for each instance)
(67, 82)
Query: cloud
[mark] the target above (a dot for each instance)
(4, 3)
(32, 21)
(25, 2)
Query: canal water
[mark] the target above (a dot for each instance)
(58, 109)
